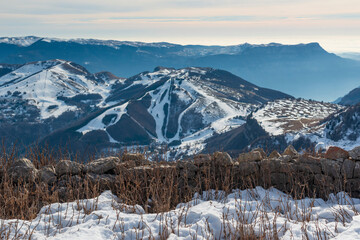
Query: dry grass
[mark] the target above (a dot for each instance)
(157, 191)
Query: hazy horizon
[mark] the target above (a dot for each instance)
(332, 23)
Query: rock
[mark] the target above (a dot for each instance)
(286, 159)
(355, 153)
(105, 181)
(308, 167)
(68, 167)
(186, 169)
(222, 158)
(250, 156)
(330, 168)
(347, 169)
(202, 159)
(274, 166)
(336, 153)
(274, 154)
(138, 158)
(23, 169)
(102, 165)
(127, 164)
(291, 151)
(69, 180)
(140, 171)
(247, 168)
(261, 151)
(47, 174)
(309, 164)
(357, 170)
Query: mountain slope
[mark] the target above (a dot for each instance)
(277, 124)
(39, 97)
(299, 70)
(352, 98)
(179, 107)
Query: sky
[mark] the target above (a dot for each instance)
(335, 24)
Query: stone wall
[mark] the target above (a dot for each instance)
(298, 174)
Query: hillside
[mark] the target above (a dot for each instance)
(300, 70)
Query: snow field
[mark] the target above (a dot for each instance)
(212, 215)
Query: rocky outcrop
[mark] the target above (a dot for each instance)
(250, 156)
(290, 151)
(336, 153)
(222, 158)
(274, 154)
(23, 169)
(102, 165)
(47, 174)
(355, 153)
(138, 158)
(68, 167)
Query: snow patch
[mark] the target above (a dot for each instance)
(206, 216)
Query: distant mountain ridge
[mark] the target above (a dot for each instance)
(186, 111)
(300, 70)
(352, 98)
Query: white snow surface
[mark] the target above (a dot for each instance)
(42, 82)
(212, 215)
(97, 123)
(293, 115)
(20, 41)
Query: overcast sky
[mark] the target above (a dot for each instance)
(335, 24)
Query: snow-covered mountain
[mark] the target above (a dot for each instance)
(47, 95)
(279, 123)
(188, 50)
(343, 128)
(189, 110)
(177, 107)
(300, 70)
(51, 85)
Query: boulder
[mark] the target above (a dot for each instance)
(222, 158)
(102, 165)
(186, 168)
(69, 180)
(347, 169)
(138, 158)
(247, 168)
(355, 153)
(275, 166)
(309, 164)
(274, 154)
(330, 168)
(23, 169)
(68, 167)
(250, 156)
(47, 174)
(202, 159)
(357, 170)
(336, 153)
(290, 151)
(105, 181)
(261, 151)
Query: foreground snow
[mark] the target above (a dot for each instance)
(205, 217)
